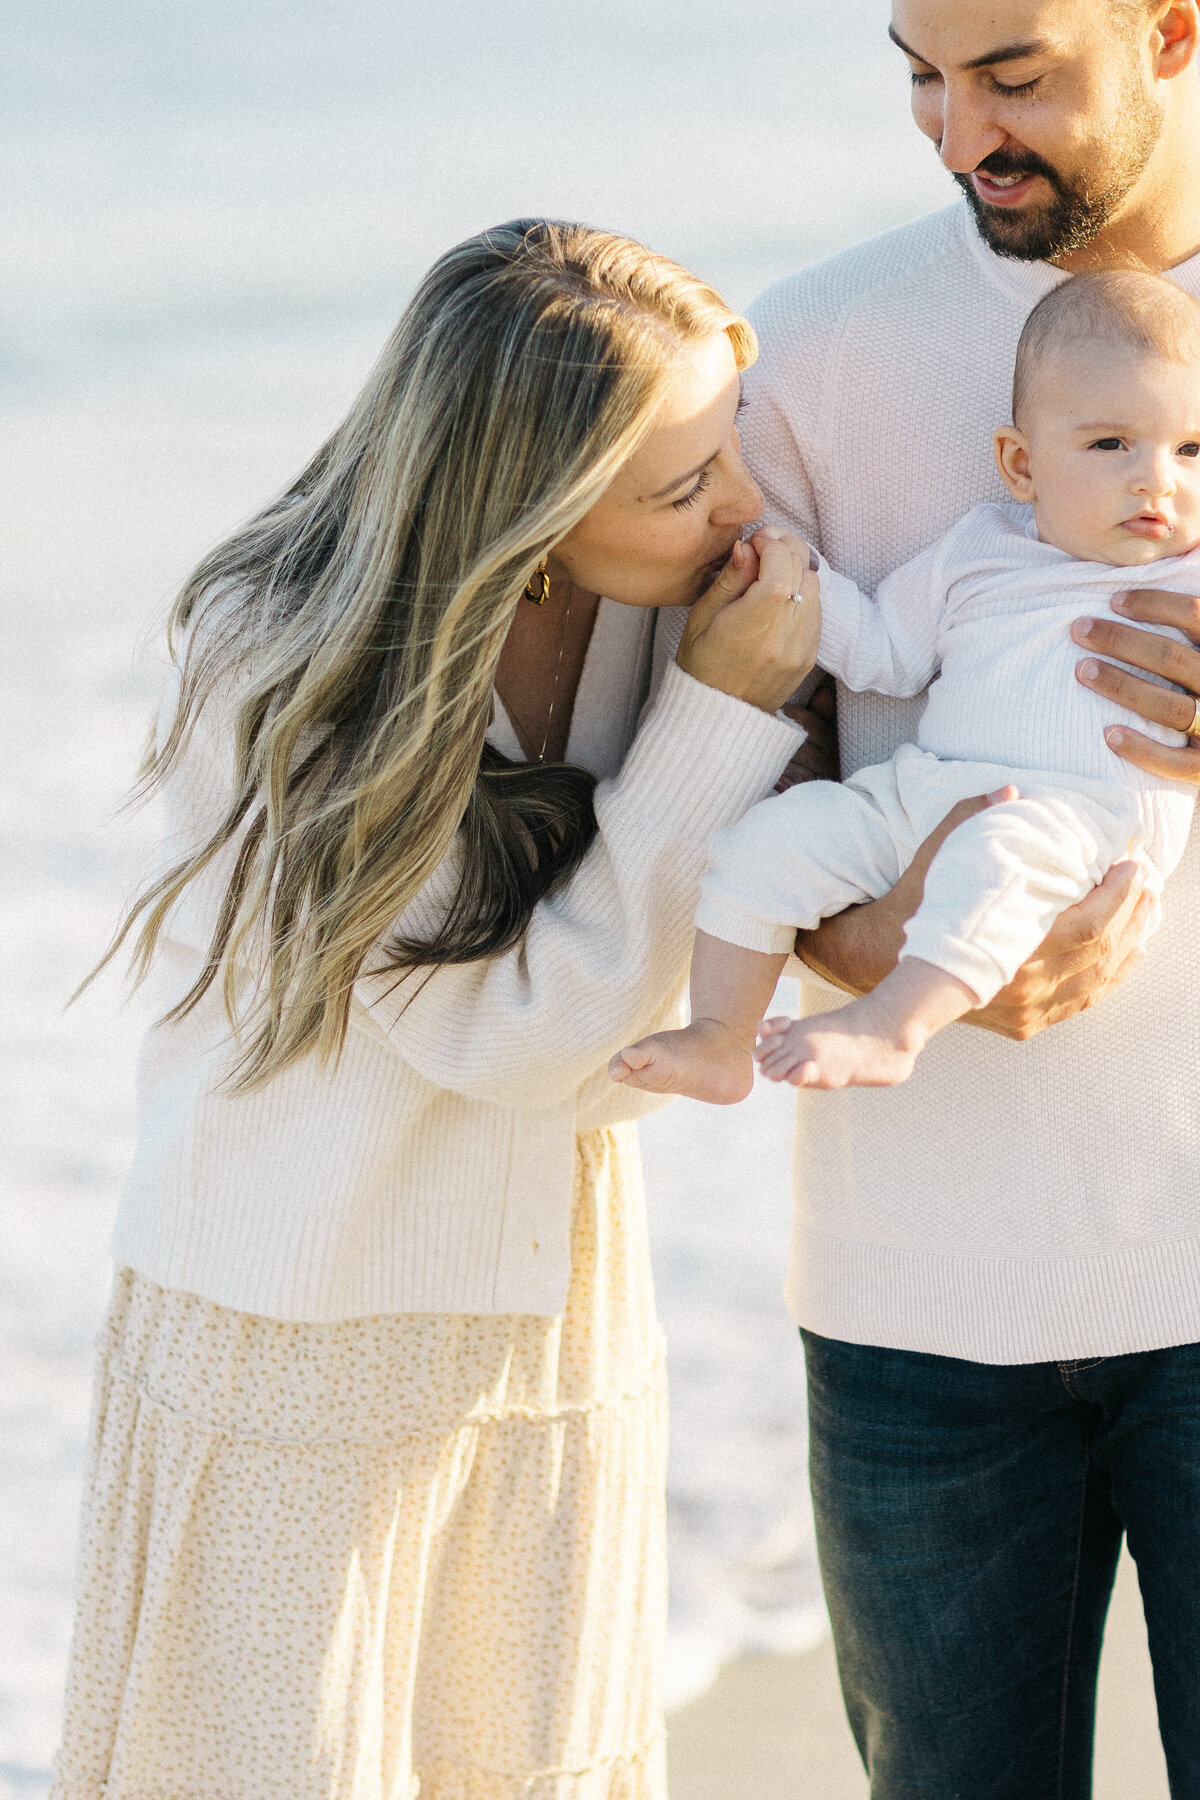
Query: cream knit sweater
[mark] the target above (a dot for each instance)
(431, 1169)
(1011, 1202)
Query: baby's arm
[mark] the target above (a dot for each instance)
(712, 1058)
(888, 645)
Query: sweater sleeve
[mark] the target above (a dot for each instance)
(528, 1027)
(889, 645)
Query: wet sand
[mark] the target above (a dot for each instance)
(773, 1728)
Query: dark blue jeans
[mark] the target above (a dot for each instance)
(969, 1517)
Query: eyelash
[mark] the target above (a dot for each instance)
(998, 87)
(1189, 449)
(705, 476)
(693, 494)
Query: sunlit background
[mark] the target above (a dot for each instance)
(209, 217)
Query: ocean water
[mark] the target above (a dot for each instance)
(208, 219)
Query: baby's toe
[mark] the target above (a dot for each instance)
(806, 1075)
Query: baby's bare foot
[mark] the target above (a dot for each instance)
(852, 1047)
(704, 1061)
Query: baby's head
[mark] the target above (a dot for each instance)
(1105, 439)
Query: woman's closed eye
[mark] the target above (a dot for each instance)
(694, 492)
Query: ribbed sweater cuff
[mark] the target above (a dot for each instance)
(840, 603)
(702, 757)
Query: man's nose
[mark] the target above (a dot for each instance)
(968, 137)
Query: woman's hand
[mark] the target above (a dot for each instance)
(1090, 948)
(1159, 655)
(746, 635)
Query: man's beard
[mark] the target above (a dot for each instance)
(1079, 208)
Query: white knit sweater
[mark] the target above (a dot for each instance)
(1011, 1202)
(431, 1169)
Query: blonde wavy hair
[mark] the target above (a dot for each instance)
(359, 621)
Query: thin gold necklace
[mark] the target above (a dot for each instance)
(549, 720)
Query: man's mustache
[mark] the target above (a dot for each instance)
(1003, 163)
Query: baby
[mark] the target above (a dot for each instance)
(1103, 459)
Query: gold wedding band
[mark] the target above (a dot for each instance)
(1193, 730)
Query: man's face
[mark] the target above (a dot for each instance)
(1043, 111)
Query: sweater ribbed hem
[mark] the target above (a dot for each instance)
(997, 1310)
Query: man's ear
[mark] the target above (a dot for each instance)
(1174, 41)
(1012, 460)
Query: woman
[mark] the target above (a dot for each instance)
(375, 1503)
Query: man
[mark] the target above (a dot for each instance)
(997, 1266)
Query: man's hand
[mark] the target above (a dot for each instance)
(817, 757)
(1179, 663)
(1090, 948)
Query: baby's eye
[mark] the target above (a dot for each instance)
(1107, 444)
(1189, 450)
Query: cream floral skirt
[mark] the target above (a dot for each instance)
(413, 1555)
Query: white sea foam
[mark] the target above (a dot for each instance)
(209, 219)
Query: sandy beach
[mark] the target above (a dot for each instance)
(773, 1726)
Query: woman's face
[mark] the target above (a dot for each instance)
(663, 529)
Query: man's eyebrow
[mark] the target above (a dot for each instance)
(680, 479)
(1006, 54)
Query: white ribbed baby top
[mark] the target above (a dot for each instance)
(1011, 1202)
(988, 609)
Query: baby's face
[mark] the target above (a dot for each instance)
(1110, 455)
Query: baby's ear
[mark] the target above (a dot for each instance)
(1012, 460)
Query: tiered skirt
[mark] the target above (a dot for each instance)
(408, 1555)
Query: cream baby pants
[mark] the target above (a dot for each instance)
(992, 892)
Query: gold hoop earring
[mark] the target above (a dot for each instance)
(537, 588)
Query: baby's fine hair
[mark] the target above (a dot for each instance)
(1124, 307)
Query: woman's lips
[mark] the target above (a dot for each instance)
(713, 567)
(1148, 525)
(1002, 193)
